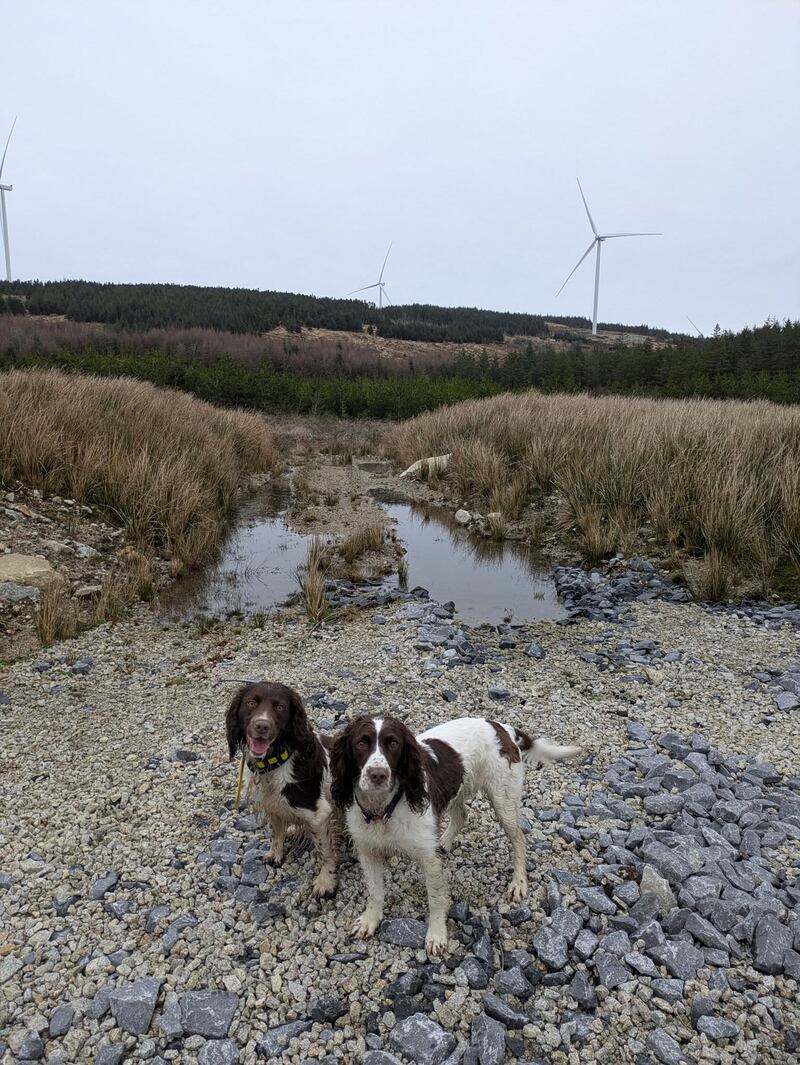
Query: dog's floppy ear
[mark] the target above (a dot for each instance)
(411, 774)
(233, 724)
(300, 732)
(343, 769)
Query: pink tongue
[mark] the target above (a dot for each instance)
(258, 747)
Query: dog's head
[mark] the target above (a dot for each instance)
(262, 714)
(374, 756)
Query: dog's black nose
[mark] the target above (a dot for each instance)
(261, 728)
(377, 775)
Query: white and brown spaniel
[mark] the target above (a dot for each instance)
(395, 788)
(286, 771)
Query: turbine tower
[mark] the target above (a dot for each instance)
(3, 215)
(598, 242)
(380, 284)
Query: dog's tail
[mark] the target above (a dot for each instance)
(537, 752)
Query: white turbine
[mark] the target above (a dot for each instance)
(380, 284)
(3, 216)
(598, 240)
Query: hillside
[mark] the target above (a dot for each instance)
(302, 353)
(238, 310)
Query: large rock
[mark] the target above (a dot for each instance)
(475, 973)
(717, 1028)
(29, 570)
(102, 886)
(274, 1041)
(666, 1049)
(488, 1038)
(596, 899)
(501, 1011)
(680, 958)
(219, 1052)
(403, 932)
(771, 940)
(582, 991)
(326, 1008)
(61, 1021)
(422, 1040)
(566, 922)
(610, 970)
(31, 1048)
(653, 883)
(133, 1004)
(551, 948)
(705, 932)
(110, 1054)
(670, 863)
(208, 1013)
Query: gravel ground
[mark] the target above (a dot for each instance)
(130, 889)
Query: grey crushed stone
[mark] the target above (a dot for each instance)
(216, 942)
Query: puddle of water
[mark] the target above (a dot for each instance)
(488, 581)
(256, 570)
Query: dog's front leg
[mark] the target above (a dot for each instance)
(327, 879)
(274, 855)
(438, 903)
(367, 923)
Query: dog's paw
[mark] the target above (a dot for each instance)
(517, 890)
(273, 857)
(436, 943)
(365, 926)
(325, 886)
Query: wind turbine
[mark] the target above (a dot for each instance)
(598, 241)
(3, 216)
(380, 284)
(700, 332)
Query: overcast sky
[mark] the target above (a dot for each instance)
(284, 145)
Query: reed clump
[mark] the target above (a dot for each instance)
(55, 616)
(312, 577)
(362, 540)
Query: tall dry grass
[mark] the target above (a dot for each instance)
(362, 539)
(164, 464)
(711, 478)
(312, 577)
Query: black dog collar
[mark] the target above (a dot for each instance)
(385, 814)
(270, 762)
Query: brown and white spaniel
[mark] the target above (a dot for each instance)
(395, 788)
(286, 771)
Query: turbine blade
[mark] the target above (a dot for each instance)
(8, 141)
(604, 235)
(362, 289)
(575, 267)
(386, 297)
(380, 277)
(697, 327)
(588, 212)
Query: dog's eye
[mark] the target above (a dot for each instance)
(252, 702)
(391, 742)
(363, 742)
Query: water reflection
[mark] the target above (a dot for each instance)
(256, 570)
(489, 581)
